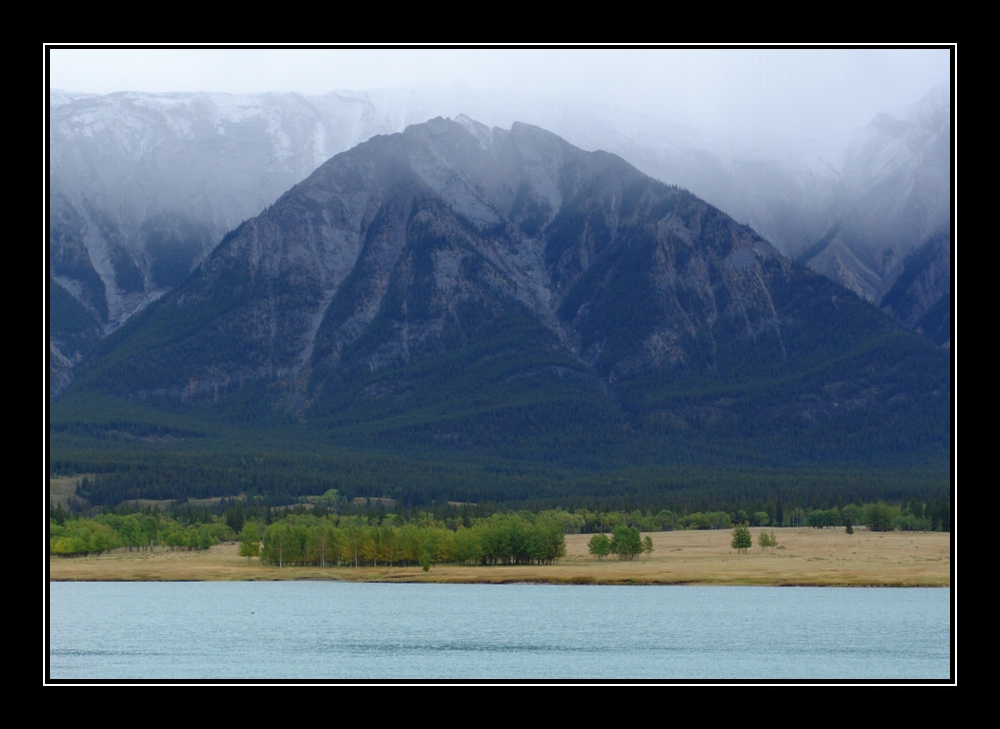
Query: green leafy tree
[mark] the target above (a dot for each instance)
(546, 541)
(250, 540)
(599, 546)
(647, 545)
(852, 513)
(880, 517)
(468, 548)
(767, 539)
(626, 542)
(742, 539)
(281, 546)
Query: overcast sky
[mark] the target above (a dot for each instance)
(779, 90)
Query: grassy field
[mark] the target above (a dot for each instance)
(803, 557)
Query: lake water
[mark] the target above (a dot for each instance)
(337, 630)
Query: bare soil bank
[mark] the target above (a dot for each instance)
(803, 557)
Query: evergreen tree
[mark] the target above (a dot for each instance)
(742, 539)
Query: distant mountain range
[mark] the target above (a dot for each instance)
(143, 186)
(461, 288)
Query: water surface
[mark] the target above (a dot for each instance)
(341, 630)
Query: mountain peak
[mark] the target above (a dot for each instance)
(429, 276)
(482, 132)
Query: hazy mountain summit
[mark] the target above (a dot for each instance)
(893, 198)
(143, 186)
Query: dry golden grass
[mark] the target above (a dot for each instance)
(804, 557)
(62, 490)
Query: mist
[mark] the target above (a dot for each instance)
(784, 93)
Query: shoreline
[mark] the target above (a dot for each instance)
(556, 582)
(804, 557)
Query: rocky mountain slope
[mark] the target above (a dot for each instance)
(456, 284)
(143, 186)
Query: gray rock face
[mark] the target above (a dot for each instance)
(144, 186)
(406, 244)
(455, 283)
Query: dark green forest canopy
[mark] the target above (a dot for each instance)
(174, 460)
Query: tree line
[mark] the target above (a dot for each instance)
(503, 539)
(136, 531)
(330, 531)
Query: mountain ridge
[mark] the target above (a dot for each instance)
(126, 167)
(452, 284)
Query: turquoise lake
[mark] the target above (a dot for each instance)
(337, 630)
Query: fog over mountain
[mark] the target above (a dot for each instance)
(144, 186)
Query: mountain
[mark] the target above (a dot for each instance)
(893, 197)
(920, 295)
(143, 186)
(457, 288)
(853, 213)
